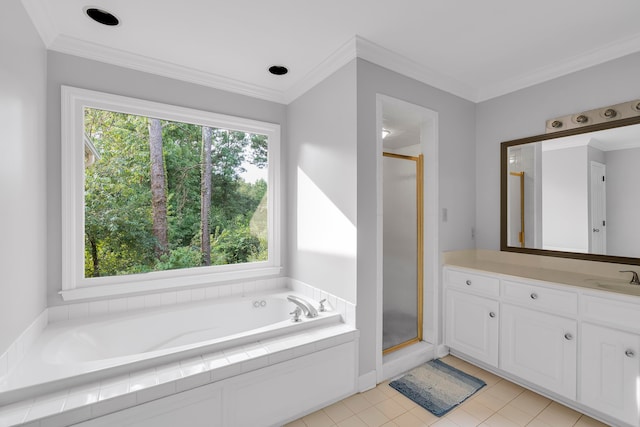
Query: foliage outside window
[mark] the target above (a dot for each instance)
(160, 192)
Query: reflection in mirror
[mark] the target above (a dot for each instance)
(574, 193)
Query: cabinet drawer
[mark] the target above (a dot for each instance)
(540, 297)
(613, 312)
(472, 282)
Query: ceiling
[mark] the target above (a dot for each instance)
(474, 49)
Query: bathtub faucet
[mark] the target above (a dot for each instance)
(306, 307)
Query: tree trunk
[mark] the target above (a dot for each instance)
(205, 195)
(94, 258)
(158, 190)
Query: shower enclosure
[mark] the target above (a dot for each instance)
(402, 250)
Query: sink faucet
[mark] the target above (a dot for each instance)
(306, 307)
(635, 280)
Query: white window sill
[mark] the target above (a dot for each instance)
(111, 290)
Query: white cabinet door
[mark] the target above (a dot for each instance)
(610, 372)
(540, 348)
(472, 326)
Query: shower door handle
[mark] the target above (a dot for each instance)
(596, 230)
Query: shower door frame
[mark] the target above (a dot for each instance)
(419, 162)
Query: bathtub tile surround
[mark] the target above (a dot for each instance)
(82, 402)
(117, 305)
(346, 309)
(16, 351)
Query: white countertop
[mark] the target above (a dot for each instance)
(585, 274)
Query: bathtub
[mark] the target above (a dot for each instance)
(70, 353)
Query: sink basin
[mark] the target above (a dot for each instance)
(612, 284)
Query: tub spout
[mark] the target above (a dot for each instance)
(307, 308)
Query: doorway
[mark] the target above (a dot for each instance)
(406, 129)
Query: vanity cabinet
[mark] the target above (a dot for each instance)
(578, 345)
(540, 348)
(472, 314)
(610, 371)
(472, 326)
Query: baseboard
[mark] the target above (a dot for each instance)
(442, 350)
(367, 381)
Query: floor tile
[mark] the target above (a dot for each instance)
(296, 423)
(487, 377)
(409, 420)
(404, 402)
(530, 402)
(586, 421)
(375, 396)
(338, 412)
(357, 403)
(387, 389)
(558, 415)
(318, 419)
(444, 422)
(505, 390)
(352, 421)
(477, 410)
(537, 423)
(390, 408)
(516, 415)
(463, 418)
(423, 415)
(373, 417)
(490, 401)
(497, 420)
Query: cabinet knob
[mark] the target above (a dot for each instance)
(492, 314)
(534, 295)
(468, 282)
(629, 353)
(568, 336)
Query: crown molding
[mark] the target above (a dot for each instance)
(338, 59)
(357, 47)
(41, 20)
(393, 61)
(593, 57)
(97, 52)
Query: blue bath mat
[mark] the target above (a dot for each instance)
(437, 387)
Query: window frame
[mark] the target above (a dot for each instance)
(74, 284)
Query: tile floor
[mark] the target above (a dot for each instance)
(500, 403)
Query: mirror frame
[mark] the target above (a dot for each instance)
(504, 147)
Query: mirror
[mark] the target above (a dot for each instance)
(574, 193)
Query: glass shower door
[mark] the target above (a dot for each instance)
(402, 251)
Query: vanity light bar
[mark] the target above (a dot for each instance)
(591, 117)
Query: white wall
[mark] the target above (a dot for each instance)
(523, 113)
(456, 154)
(321, 184)
(623, 202)
(23, 144)
(74, 71)
(565, 200)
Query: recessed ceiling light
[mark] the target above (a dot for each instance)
(101, 16)
(278, 70)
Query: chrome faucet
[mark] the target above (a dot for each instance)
(635, 280)
(306, 307)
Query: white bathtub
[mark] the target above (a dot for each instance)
(69, 353)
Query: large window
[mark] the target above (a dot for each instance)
(157, 196)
